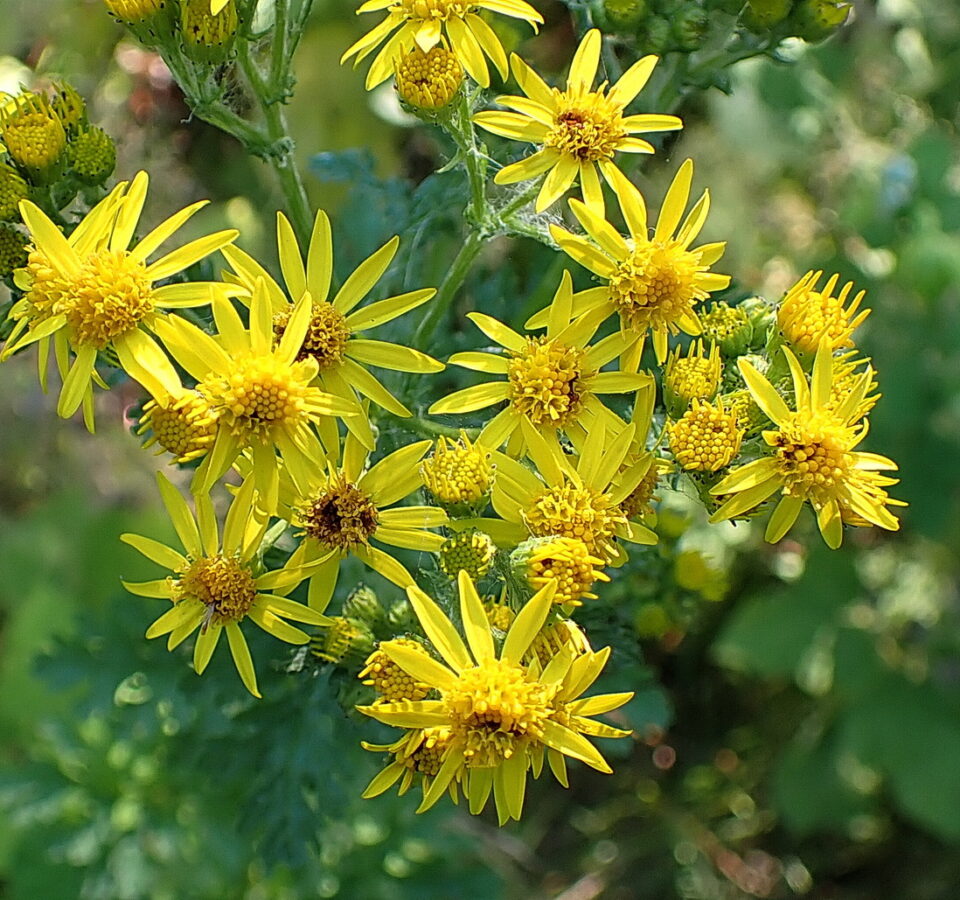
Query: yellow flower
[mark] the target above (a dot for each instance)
(567, 561)
(497, 712)
(552, 381)
(186, 427)
(429, 80)
(332, 339)
(578, 129)
(390, 681)
(262, 396)
(705, 438)
(90, 292)
(695, 376)
(471, 550)
(808, 316)
(848, 369)
(579, 501)
(653, 284)
(814, 457)
(33, 135)
(341, 510)
(214, 586)
(132, 11)
(459, 473)
(429, 23)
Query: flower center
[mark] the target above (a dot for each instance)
(222, 584)
(340, 516)
(326, 337)
(588, 127)
(35, 140)
(471, 550)
(705, 438)
(433, 9)
(546, 382)
(387, 678)
(578, 513)
(808, 317)
(494, 708)
(429, 80)
(812, 457)
(457, 472)
(186, 428)
(259, 395)
(111, 296)
(655, 286)
(427, 758)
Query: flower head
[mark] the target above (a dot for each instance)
(695, 376)
(33, 135)
(458, 473)
(813, 457)
(807, 316)
(567, 561)
(89, 292)
(705, 438)
(208, 35)
(389, 680)
(133, 11)
(215, 585)
(579, 130)
(92, 156)
(333, 339)
(344, 642)
(13, 189)
(186, 427)
(551, 382)
(429, 80)
(13, 249)
(498, 713)
(652, 284)
(452, 24)
(728, 327)
(471, 551)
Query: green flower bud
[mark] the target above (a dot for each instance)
(762, 316)
(70, 107)
(206, 37)
(727, 326)
(345, 642)
(151, 21)
(13, 249)
(761, 15)
(34, 136)
(749, 416)
(472, 550)
(816, 20)
(690, 27)
(13, 189)
(364, 606)
(625, 15)
(656, 36)
(92, 156)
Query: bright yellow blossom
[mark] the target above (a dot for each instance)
(458, 473)
(578, 130)
(807, 316)
(429, 80)
(496, 714)
(453, 24)
(814, 457)
(551, 382)
(215, 585)
(333, 339)
(705, 438)
(653, 284)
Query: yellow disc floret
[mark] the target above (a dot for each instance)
(695, 376)
(186, 427)
(222, 584)
(546, 381)
(576, 512)
(33, 134)
(387, 678)
(471, 551)
(495, 708)
(812, 454)
(808, 316)
(706, 438)
(586, 126)
(459, 472)
(340, 515)
(429, 80)
(13, 189)
(13, 249)
(567, 561)
(558, 637)
(326, 338)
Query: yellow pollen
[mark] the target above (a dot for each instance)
(568, 562)
(587, 126)
(427, 758)
(387, 678)
(186, 428)
(258, 396)
(222, 584)
(495, 709)
(655, 287)
(812, 455)
(326, 337)
(111, 296)
(581, 513)
(429, 80)
(458, 472)
(546, 380)
(706, 438)
(472, 551)
(808, 316)
(424, 10)
(340, 516)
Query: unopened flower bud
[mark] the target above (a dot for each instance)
(690, 27)
(729, 327)
(761, 15)
(69, 107)
(625, 15)
(429, 80)
(34, 136)
(472, 551)
(208, 37)
(13, 189)
(345, 642)
(695, 376)
(816, 20)
(92, 156)
(706, 438)
(13, 249)
(459, 474)
(364, 606)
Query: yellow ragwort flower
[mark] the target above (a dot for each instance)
(498, 713)
(453, 24)
(567, 561)
(813, 457)
(471, 551)
(341, 510)
(653, 284)
(705, 438)
(92, 291)
(551, 382)
(458, 473)
(214, 586)
(579, 130)
(389, 680)
(695, 376)
(33, 134)
(334, 338)
(263, 397)
(186, 427)
(429, 80)
(808, 316)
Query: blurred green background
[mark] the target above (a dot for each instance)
(798, 711)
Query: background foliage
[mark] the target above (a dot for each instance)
(798, 711)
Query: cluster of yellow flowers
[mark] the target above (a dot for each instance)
(537, 504)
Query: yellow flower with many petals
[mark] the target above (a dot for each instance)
(814, 457)
(653, 284)
(261, 393)
(341, 510)
(429, 23)
(497, 713)
(807, 316)
(579, 130)
(333, 337)
(551, 382)
(90, 292)
(705, 438)
(214, 586)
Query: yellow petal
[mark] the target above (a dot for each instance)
(365, 276)
(528, 623)
(476, 626)
(583, 69)
(207, 642)
(291, 259)
(241, 658)
(632, 82)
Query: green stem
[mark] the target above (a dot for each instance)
(426, 428)
(460, 128)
